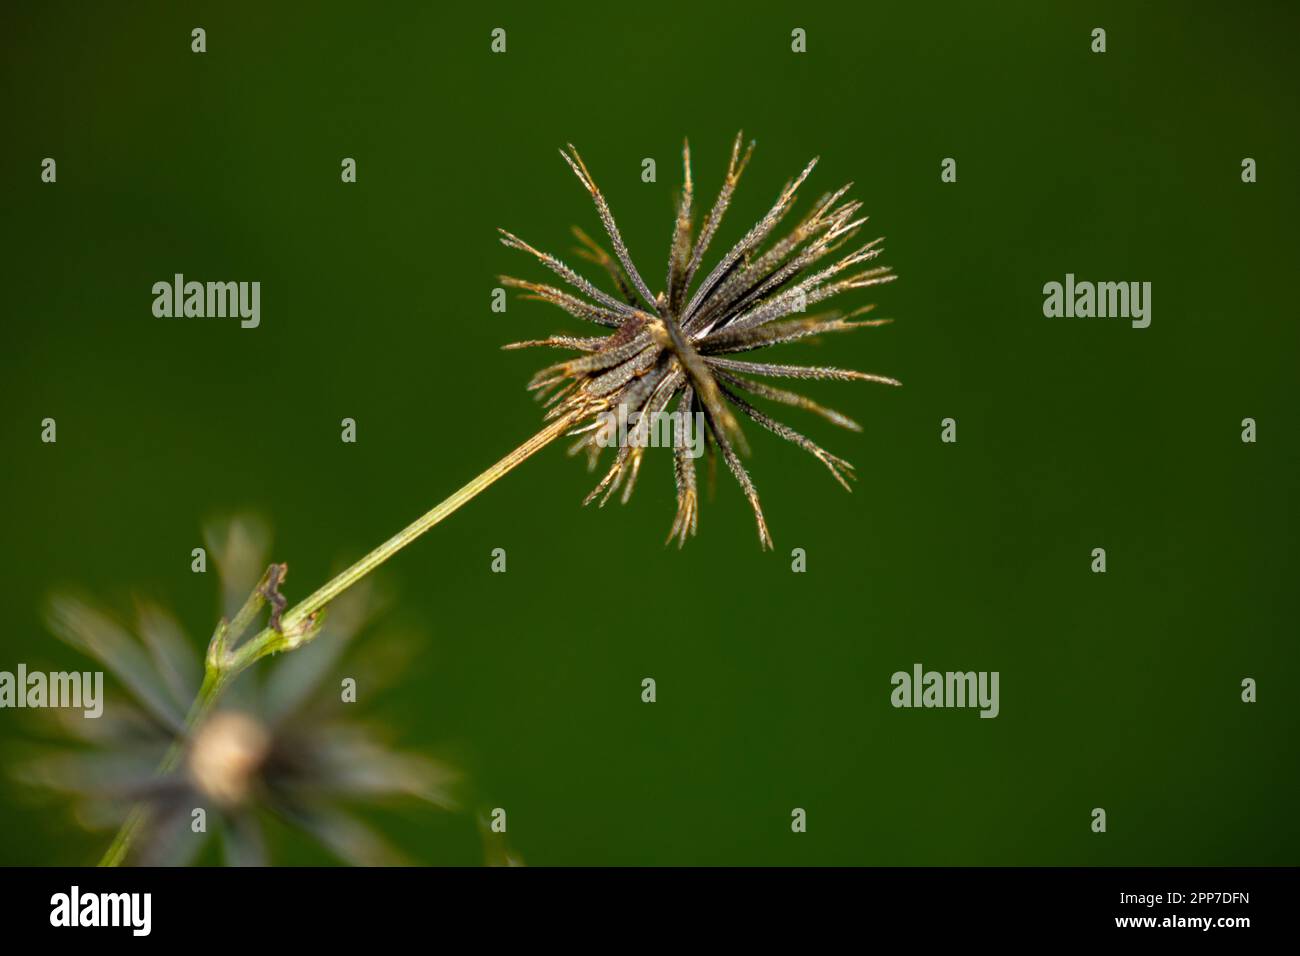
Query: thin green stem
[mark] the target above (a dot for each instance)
(327, 592)
(214, 682)
(300, 623)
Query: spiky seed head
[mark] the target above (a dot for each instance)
(678, 345)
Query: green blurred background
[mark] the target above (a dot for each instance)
(1118, 691)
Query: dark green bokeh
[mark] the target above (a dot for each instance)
(1119, 691)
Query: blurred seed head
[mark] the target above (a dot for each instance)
(226, 755)
(281, 742)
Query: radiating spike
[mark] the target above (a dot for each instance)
(780, 333)
(680, 251)
(753, 238)
(746, 484)
(735, 166)
(794, 399)
(607, 220)
(567, 274)
(799, 371)
(592, 251)
(837, 466)
(558, 342)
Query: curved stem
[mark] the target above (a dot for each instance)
(296, 626)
